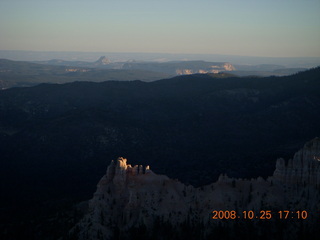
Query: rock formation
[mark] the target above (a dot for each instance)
(181, 67)
(102, 61)
(209, 69)
(303, 169)
(135, 199)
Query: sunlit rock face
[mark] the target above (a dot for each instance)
(130, 198)
(210, 69)
(228, 67)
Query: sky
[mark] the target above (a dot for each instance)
(270, 28)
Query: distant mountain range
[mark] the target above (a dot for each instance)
(288, 62)
(172, 67)
(56, 139)
(184, 67)
(101, 62)
(24, 74)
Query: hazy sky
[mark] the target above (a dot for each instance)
(278, 28)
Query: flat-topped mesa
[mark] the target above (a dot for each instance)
(304, 168)
(118, 172)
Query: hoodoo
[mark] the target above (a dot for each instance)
(129, 199)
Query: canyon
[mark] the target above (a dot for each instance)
(130, 199)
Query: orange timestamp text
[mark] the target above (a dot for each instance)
(263, 214)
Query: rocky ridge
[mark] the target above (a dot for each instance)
(129, 197)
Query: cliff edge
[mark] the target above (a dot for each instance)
(133, 198)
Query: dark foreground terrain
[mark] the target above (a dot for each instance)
(56, 140)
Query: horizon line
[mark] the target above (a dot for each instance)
(163, 53)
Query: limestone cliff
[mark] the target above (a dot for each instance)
(133, 198)
(206, 69)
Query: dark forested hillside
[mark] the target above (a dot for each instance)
(56, 140)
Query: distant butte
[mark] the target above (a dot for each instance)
(103, 61)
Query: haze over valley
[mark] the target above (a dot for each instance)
(30, 73)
